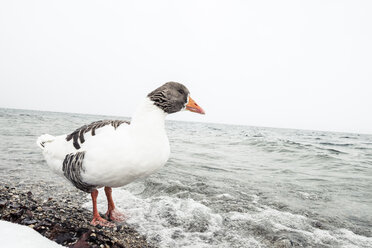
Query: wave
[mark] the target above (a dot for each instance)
(290, 146)
(175, 222)
(336, 144)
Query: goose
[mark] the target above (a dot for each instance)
(114, 153)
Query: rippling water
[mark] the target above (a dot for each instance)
(224, 186)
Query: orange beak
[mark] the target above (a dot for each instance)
(194, 107)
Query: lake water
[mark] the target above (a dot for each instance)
(223, 186)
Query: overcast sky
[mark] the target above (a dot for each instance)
(293, 64)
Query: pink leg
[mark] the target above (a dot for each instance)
(112, 213)
(97, 219)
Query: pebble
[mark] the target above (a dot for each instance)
(3, 203)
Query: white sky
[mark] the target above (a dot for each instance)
(295, 64)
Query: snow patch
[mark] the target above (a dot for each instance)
(18, 236)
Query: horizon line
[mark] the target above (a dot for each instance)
(207, 122)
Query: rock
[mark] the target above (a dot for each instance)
(14, 205)
(63, 237)
(82, 242)
(29, 213)
(3, 203)
(27, 221)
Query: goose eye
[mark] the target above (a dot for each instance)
(181, 91)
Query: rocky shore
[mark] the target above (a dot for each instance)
(63, 221)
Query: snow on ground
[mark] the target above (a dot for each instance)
(18, 236)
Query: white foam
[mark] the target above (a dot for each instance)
(224, 196)
(171, 222)
(183, 222)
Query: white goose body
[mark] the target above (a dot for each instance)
(116, 157)
(113, 153)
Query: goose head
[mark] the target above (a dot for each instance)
(173, 97)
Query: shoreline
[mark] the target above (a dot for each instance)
(63, 221)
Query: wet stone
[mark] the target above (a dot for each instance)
(27, 221)
(63, 237)
(14, 205)
(3, 203)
